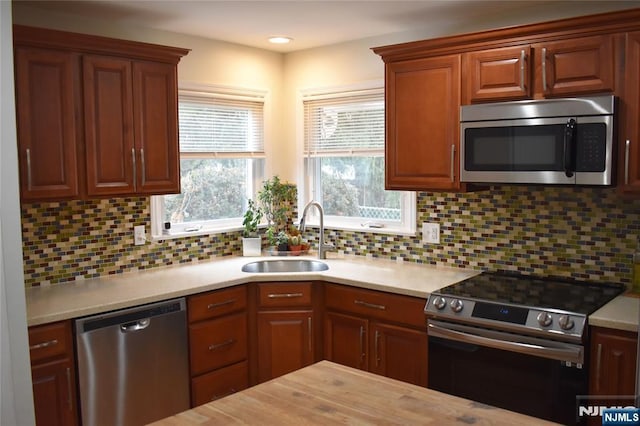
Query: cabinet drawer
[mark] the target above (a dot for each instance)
(273, 295)
(219, 383)
(218, 342)
(376, 304)
(51, 340)
(217, 303)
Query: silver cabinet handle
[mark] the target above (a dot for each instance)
(29, 181)
(217, 346)
(544, 69)
(377, 354)
(43, 344)
(453, 159)
(142, 167)
(310, 333)
(369, 305)
(220, 395)
(362, 354)
(69, 398)
(522, 57)
(627, 145)
(219, 304)
(133, 162)
(283, 295)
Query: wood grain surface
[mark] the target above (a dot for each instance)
(328, 393)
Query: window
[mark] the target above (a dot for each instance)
(221, 162)
(344, 163)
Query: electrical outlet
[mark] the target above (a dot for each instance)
(431, 233)
(139, 237)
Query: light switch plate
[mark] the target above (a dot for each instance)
(431, 233)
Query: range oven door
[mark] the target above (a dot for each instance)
(532, 376)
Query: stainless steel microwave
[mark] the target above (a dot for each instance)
(566, 141)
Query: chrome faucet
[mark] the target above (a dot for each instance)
(322, 247)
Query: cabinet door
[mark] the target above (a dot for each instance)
(285, 342)
(156, 128)
(53, 393)
(613, 362)
(497, 74)
(629, 166)
(346, 340)
(422, 134)
(399, 353)
(46, 108)
(576, 66)
(108, 114)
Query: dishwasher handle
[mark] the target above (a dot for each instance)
(135, 326)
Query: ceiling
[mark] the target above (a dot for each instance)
(309, 23)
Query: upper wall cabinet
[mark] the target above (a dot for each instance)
(563, 58)
(569, 67)
(96, 117)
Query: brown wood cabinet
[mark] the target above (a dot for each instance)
(53, 374)
(563, 58)
(565, 68)
(613, 362)
(286, 328)
(218, 343)
(629, 140)
(376, 331)
(422, 104)
(97, 117)
(47, 103)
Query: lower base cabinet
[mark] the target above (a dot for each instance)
(613, 362)
(53, 374)
(377, 332)
(219, 383)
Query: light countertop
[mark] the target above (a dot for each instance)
(327, 393)
(622, 313)
(87, 297)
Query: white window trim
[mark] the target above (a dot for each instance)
(407, 226)
(220, 226)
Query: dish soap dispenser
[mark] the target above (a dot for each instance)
(635, 283)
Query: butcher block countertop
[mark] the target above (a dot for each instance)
(328, 393)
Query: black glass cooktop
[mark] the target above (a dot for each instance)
(572, 296)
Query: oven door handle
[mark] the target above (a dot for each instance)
(564, 352)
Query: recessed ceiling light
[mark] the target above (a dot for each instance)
(280, 39)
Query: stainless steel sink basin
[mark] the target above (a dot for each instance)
(279, 266)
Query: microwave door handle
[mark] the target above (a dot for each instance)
(569, 144)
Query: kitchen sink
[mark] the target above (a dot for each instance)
(298, 265)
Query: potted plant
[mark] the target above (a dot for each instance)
(276, 200)
(251, 240)
(282, 241)
(295, 244)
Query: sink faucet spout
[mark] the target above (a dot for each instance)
(322, 247)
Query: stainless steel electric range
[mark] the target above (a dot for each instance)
(514, 341)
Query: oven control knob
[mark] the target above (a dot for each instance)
(439, 302)
(544, 319)
(566, 323)
(456, 305)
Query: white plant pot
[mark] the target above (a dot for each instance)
(252, 246)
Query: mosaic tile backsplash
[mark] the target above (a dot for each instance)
(582, 233)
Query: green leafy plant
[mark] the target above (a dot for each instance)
(276, 200)
(251, 220)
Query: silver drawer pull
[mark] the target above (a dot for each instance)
(221, 395)
(43, 344)
(370, 305)
(217, 305)
(283, 295)
(217, 346)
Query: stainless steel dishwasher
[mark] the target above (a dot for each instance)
(133, 364)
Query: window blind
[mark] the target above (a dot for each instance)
(218, 125)
(345, 125)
